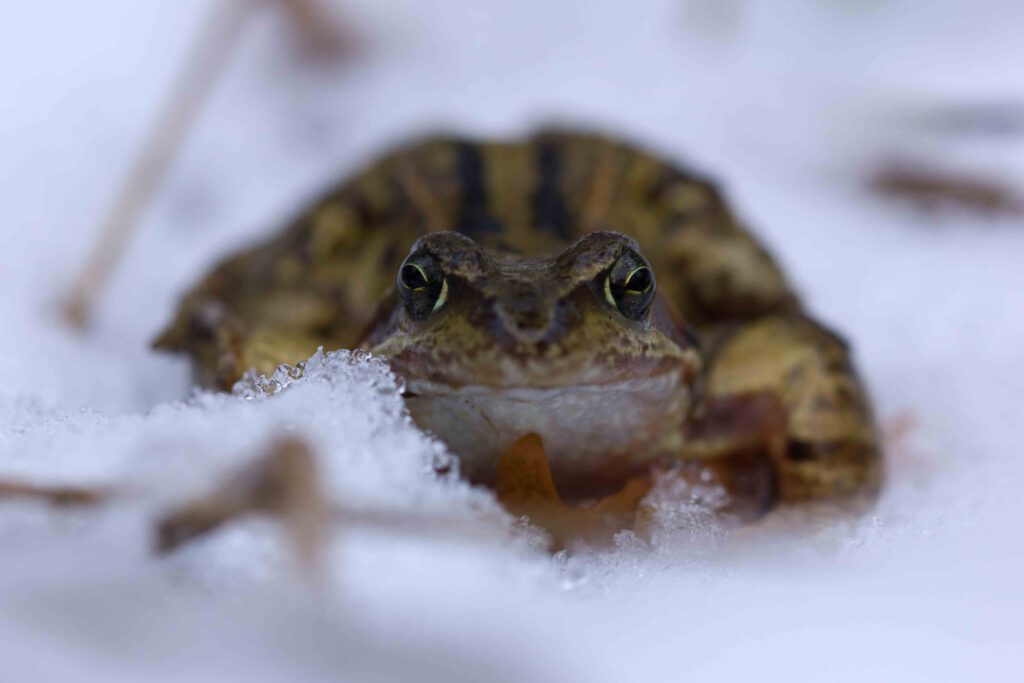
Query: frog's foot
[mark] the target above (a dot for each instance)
(738, 441)
(731, 487)
(525, 488)
(822, 443)
(283, 483)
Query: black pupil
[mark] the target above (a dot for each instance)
(413, 277)
(639, 281)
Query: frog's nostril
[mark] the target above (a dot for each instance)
(530, 320)
(524, 321)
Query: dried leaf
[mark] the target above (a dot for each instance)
(525, 487)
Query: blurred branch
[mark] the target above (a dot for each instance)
(283, 483)
(286, 483)
(933, 190)
(983, 119)
(206, 62)
(319, 32)
(59, 496)
(207, 59)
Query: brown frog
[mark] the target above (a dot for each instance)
(568, 285)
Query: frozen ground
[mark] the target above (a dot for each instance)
(787, 103)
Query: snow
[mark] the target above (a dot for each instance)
(789, 104)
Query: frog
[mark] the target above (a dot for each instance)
(569, 285)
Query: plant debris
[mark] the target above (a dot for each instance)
(58, 496)
(933, 190)
(283, 483)
(525, 487)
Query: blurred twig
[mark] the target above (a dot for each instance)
(319, 32)
(284, 483)
(59, 496)
(933, 190)
(982, 119)
(206, 62)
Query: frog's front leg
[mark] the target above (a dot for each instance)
(783, 389)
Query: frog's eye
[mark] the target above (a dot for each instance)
(629, 285)
(421, 285)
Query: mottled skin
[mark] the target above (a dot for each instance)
(722, 365)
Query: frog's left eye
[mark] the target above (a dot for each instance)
(421, 285)
(629, 285)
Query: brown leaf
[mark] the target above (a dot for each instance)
(525, 487)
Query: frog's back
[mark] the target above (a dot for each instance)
(320, 281)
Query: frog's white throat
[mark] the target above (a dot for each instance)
(585, 428)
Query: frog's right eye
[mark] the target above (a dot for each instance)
(421, 285)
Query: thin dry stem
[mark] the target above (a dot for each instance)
(935, 190)
(206, 62)
(58, 496)
(284, 483)
(319, 32)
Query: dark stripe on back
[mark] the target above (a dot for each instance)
(549, 211)
(474, 217)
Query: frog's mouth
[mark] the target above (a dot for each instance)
(589, 430)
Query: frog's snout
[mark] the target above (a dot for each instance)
(528, 316)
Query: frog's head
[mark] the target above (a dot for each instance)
(575, 346)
